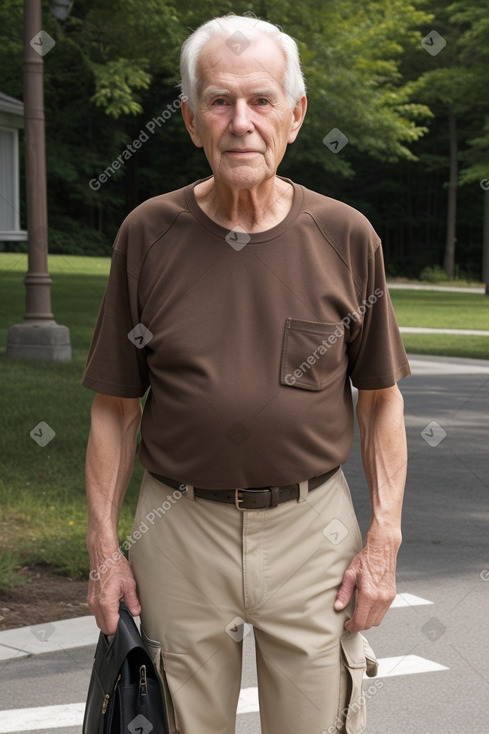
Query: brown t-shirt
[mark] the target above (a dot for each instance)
(247, 342)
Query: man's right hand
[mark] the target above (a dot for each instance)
(111, 580)
(110, 459)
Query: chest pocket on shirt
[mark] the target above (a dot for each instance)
(312, 353)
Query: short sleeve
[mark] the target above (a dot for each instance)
(116, 363)
(376, 355)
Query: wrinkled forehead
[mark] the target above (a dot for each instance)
(240, 59)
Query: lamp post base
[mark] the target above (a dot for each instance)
(38, 340)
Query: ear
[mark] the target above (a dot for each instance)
(298, 114)
(190, 124)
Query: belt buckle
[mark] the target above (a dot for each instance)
(238, 500)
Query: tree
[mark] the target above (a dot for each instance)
(443, 88)
(351, 53)
(457, 90)
(474, 54)
(115, 68)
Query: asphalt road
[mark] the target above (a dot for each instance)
(435, 667)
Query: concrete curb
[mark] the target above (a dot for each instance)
(431, 330)
(48, 637)
(442, 288)
(422, 364)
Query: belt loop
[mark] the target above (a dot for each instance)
(303, 491)
(274, 496)
(189, 494)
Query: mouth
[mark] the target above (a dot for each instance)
(242, 151)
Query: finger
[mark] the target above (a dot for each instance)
(380, 607)
(379, 614)
(355, 624)
(346, 590)
(366, 616)
(132, 600)
(107, 621)
(360, 618)
(104, 603)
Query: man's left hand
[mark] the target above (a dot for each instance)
(372, 573)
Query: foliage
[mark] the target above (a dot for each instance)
(115, 67)
(9, 565)
(352, 54)
(433, 274)
(473, 48)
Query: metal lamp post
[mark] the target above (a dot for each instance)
(39, 336)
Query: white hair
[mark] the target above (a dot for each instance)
(249, 28)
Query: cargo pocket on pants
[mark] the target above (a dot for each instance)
(356, 659)
(154, 650)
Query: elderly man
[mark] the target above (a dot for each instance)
(243, 306)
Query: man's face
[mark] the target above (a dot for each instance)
(243, 118)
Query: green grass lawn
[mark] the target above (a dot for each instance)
(42, 493)
(443, 310)
(42, 496)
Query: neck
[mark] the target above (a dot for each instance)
(253, 210)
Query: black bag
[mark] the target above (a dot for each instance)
(125, 693)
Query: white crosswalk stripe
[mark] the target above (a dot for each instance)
(406, 665)
(42, 717)
(408, 600)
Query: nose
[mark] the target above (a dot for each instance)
(241, 122)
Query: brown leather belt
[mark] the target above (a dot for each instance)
(252, 498)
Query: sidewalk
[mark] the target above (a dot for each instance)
(48, 637)
(445, 288)
(429, 330)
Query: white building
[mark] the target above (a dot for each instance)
(11, 121)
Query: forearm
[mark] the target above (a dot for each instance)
(373, 571)
(109, 464)
(384, 454)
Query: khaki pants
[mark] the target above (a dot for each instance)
(204, 569)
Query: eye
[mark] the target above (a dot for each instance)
(262, 101)
(220, 102)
